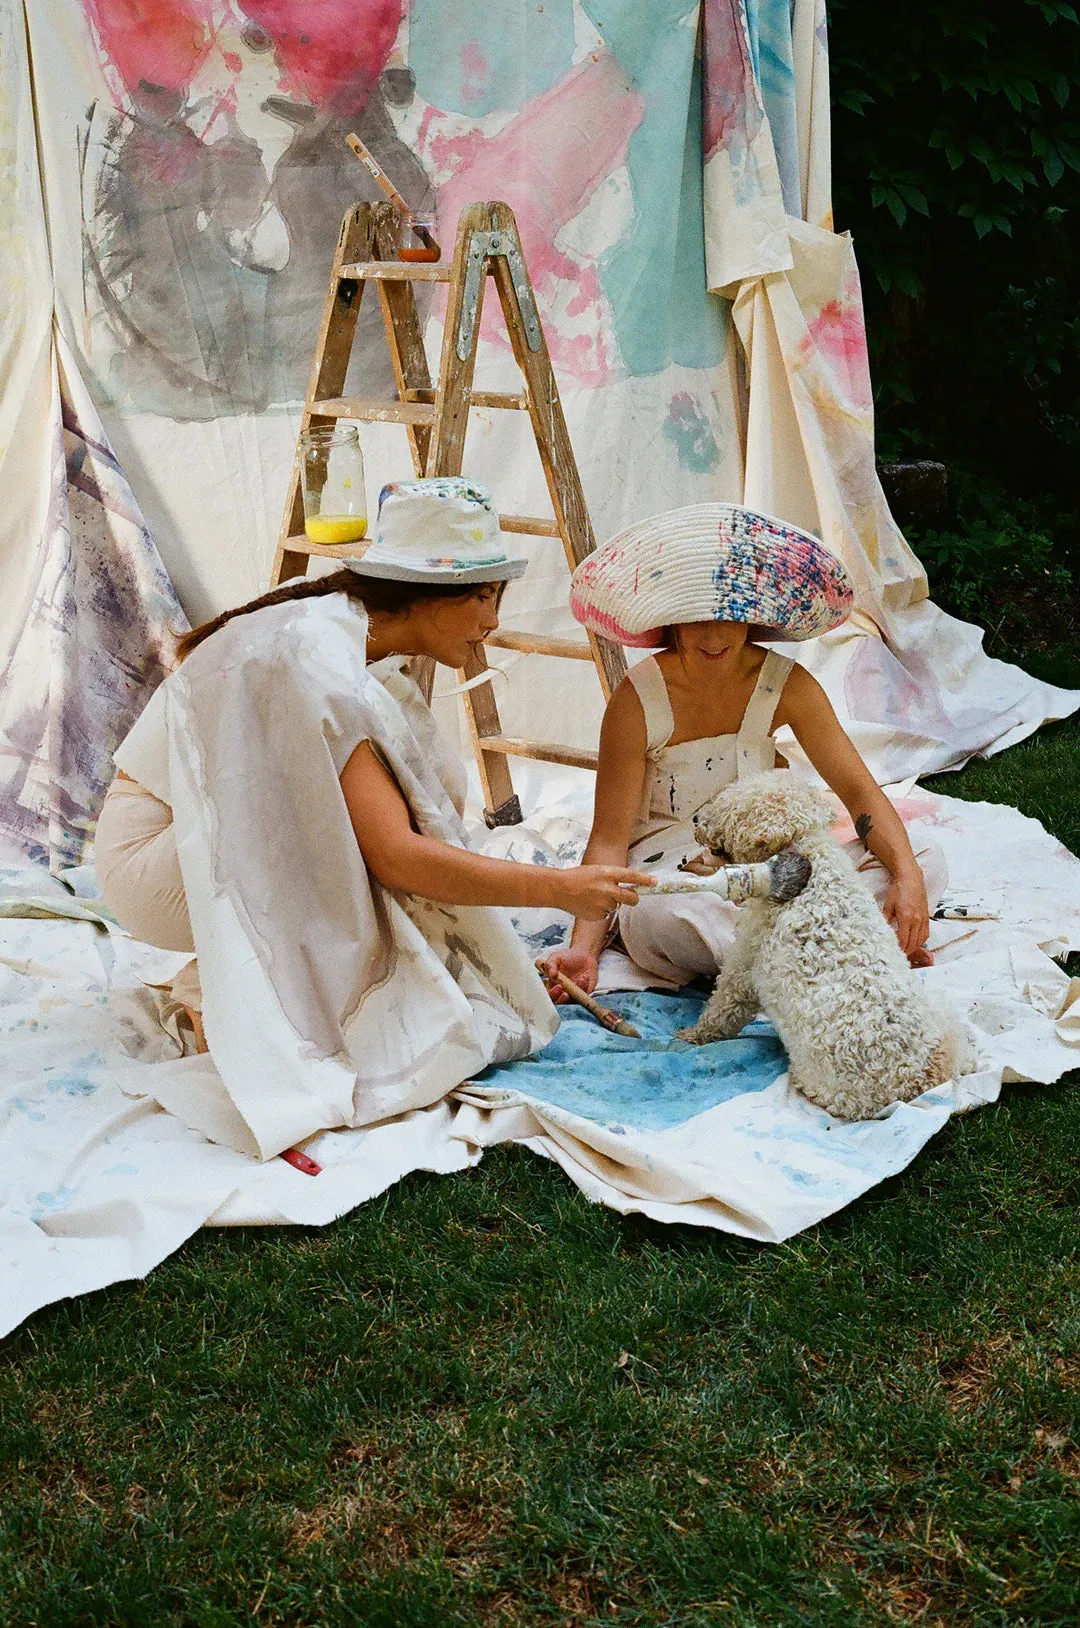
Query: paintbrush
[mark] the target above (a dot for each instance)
(603, 1014)
(382, 180)
(780, 879)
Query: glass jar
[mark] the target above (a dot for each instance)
(335, 502)
(418, 239)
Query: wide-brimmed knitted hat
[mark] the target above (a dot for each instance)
(710, 562)
(440, 530)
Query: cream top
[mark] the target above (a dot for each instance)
(143, 754)
(681, 779)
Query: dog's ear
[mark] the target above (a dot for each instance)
(710, 828)
(818, 809)
(754, 818)
(792, 809)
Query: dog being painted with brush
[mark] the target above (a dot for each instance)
(859, 1028)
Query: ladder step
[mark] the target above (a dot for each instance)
(540, 644)
(299, 544)
(370, 411)
(396, 271)
(477, 398)
(529, 524)
(548, 751)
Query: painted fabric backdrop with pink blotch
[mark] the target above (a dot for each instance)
(668, 164)
(913, 685)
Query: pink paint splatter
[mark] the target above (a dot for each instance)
(838, 336)
(546, 164)
(331, 51)
(732, 107)
(474, 72)
(155, 44)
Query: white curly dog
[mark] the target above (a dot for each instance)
(859, 1028)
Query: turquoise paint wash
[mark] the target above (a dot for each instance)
(652, 1084)
(769, 25)
(654, 276)
(689, 431)
(474, 57)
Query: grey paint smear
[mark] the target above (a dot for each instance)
(205, 277)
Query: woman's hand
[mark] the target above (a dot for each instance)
(907, 911)
(580, 966)
(591, 892)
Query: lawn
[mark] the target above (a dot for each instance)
(482, 1400)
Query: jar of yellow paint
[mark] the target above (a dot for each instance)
(335, 502)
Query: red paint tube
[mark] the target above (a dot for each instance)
(301, 1162)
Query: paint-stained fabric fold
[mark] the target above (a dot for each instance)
(97, 637)
(327, 1001)
(913, 686)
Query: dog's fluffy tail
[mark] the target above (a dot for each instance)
(953, 1055)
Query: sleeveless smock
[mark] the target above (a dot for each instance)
(677, 936)
(681, 779)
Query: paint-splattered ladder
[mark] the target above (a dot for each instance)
(435, 416)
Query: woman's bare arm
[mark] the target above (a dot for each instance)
(808, 711)
(399, 857)
(620, 777)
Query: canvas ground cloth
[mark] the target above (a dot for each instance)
(165, 269)
(99, 1183)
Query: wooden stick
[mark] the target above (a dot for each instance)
(382, 180)
(936, 949)
(603, 1014)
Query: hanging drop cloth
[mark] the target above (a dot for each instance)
(912, 686)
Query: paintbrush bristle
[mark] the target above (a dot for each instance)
(790, 872)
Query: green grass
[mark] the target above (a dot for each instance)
(482, 1400)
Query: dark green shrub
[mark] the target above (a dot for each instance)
(956, 145)
(1010, 565)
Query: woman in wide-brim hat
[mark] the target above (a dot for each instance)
(286, 815)
(709, 587)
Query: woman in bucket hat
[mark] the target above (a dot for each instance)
(286, 816)
(709, 587)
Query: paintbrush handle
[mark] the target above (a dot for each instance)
(603, 1014)
(734, 882)
(378, 175)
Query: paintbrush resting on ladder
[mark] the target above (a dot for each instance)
(383, 181)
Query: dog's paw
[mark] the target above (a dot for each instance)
(696, 1035)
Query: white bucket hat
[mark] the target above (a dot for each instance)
(441, 530)
(710, 562)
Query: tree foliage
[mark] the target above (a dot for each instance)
(956, 145)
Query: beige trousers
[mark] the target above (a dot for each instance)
(682, 935)
(138, 870)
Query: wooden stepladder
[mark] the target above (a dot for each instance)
(435, 414)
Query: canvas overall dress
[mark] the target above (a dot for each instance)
(680, 936)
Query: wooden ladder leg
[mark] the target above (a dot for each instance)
(329, 367)
(552, 437)
(404, 335)
(446, 452)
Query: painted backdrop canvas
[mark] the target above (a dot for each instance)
(669, 166)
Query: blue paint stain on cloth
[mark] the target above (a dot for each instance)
(651, 1084)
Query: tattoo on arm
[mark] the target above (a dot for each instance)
(862, 830)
